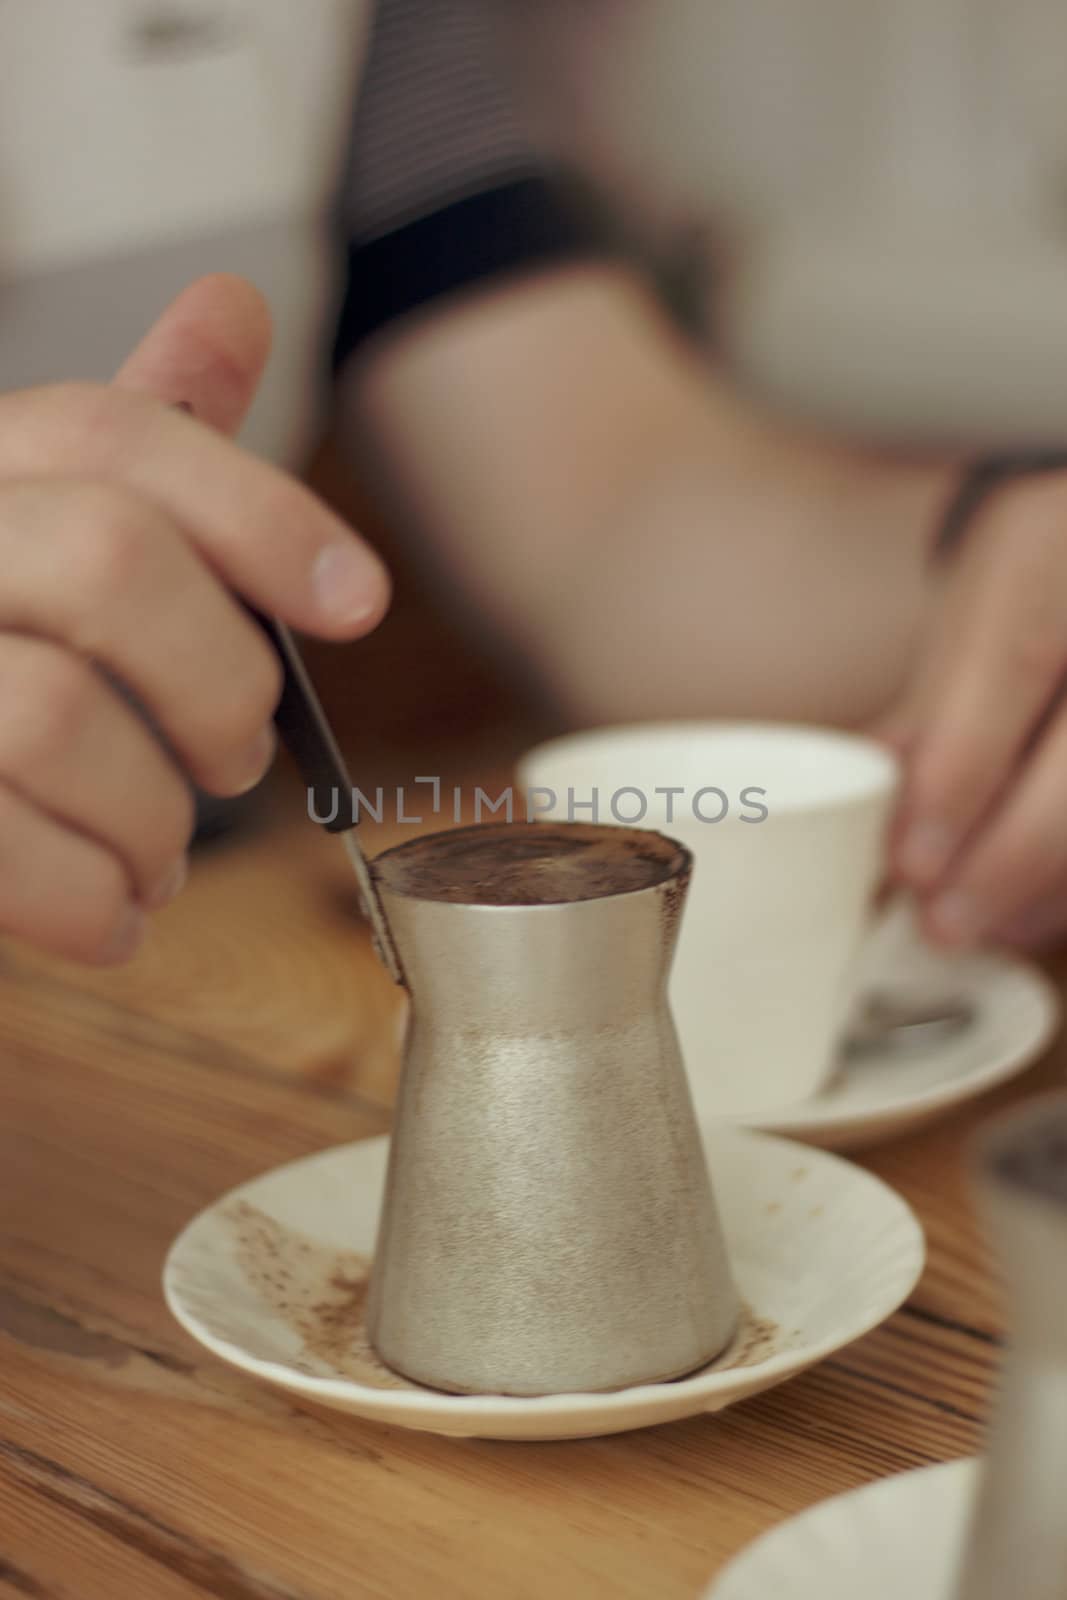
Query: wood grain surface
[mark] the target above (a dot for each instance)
(256, 1027)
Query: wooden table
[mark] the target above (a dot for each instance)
(256, 1028)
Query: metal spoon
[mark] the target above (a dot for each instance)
(891, 1024)
(909, 998)
(304, 730)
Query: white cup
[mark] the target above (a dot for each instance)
(787, 826)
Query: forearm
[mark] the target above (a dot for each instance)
(650, 545)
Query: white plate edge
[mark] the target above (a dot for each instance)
(814, 1115)
(775, 1368)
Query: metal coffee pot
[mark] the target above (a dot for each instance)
(549, 1224)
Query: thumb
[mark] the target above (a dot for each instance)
(208, 351)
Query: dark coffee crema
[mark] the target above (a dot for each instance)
(529, 864)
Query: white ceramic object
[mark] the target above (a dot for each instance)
(884, 1095)
(956, 1532)
(1018, 1536)
(898, 1539)
(267, 1280)
(778, 906)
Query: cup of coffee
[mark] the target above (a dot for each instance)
(787, 827)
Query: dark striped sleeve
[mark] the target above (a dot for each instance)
(444, 185)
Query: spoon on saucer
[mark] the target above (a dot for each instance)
(907, 1001)
(896, 1023)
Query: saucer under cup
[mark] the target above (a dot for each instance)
(272, 1279)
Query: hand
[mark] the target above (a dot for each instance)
(982, 831)
(123, 525)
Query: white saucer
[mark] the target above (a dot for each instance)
(266, 1279)
(879, 1096)
(899, 1539)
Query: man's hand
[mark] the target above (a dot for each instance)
(123, 526)
(982, 834)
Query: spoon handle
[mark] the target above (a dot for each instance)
(306, 734)
(304, 730)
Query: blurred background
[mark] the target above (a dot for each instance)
(145, 142)
(610, 324)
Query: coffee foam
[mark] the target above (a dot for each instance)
(527, 864)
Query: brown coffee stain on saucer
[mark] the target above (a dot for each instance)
(317, 1292)
(321, 1295)
(756, 1339)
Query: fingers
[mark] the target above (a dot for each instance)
(260, 531)
(105, 573)
(997, 667)
(119, 516)
(71, 747)
(1019, 856)
(207, 351)
(62, 891)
